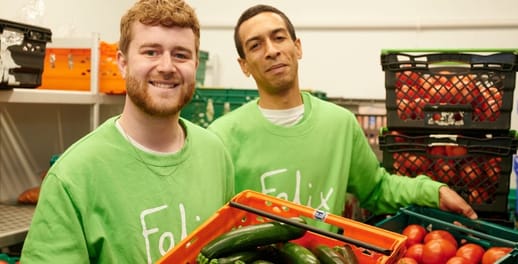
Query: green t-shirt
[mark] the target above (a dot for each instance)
(317, 161)
(106, 201)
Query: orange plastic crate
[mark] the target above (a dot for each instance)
(229, 217)
(110, 78)
(66, 69)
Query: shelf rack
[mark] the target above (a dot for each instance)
(21, 159)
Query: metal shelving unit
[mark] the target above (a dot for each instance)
(14, 223)
(34, 125)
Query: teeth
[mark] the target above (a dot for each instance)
(163, 85)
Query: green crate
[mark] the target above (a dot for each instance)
(208, 104)
(480, 232)
(8, 259)
(202, 68)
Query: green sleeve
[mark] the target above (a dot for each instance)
(55, 234)
(381, 192)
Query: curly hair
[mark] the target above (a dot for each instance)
(167, 13)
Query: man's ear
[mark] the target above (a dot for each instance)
(244, 67)
(298, 44)
(122, 62)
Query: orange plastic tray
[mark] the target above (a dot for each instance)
(69, 69)
(110, 78)
(66, 69)
(229, 217)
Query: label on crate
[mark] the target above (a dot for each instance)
(320, 215)
(445, 118)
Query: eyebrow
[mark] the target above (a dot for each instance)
(157, 45)
(149, 45)
(273, 32)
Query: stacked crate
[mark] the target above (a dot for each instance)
(448, 117)
(22, 49)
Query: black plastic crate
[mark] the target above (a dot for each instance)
(22, 53)
(478, 168)
(442, 90)
(480, 232)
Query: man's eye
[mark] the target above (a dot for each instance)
(253, 46)
(280, 38)
(181, 56)
(150, 53)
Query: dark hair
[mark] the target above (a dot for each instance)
(167, 13)
(256, 10)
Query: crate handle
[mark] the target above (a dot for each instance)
(336, 236)
(458, 228)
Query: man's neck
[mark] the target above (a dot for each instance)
(156, 133)
(289, 99)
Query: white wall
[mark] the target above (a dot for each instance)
(341, 39)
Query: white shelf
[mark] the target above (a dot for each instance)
(15, 224)
(22, 95)
(15, 128)
(37, 96)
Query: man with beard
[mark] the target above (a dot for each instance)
(139, 183)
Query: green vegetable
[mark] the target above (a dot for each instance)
(262, 262)
(347, 252)
(327, 255)
(249, 237)
(245, 257)
(294, 253)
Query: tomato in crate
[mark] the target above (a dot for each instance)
(477, 167)
(449, 90)
(476, 239)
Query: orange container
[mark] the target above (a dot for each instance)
(66, 69)
(110, 78)
(229, 217)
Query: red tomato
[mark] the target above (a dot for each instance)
(454, 151)
(493, 254)
(471, 252)
(471, 174)
(459, 260)
(416, 252)
(406, 260)
(437, 150)
(434, 234)
(415, 234)
(438, 251)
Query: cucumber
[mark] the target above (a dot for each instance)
(347, 252)
(327, 255)
(249, 237)
(245, 257)
(258, 253)
(294, 253)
